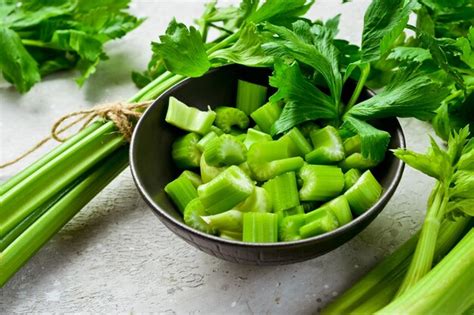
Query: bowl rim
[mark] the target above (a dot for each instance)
(386, 194)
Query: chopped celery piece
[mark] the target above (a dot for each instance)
(181, 191)
(225, 150)
(224, 192)
(340, 207)
(228, 117)
(231, 235)
(297, 143)
(318, 222)
(230, 220)
(193, 216)
(241, 137)
(289, 212)
(189, 118)
(245, 167)
(283, 191)
(352, 145)
(310, 205)
(320, 182)
(217, 130)
(289, 229)
(351, 177)
(193, 177)
(328, 147)
(205, 140)
(307, 127)
(185, 152)
(269, 159)
(250, 96)
(258, 201)
(209, 172)
(266, 116)
(364, 193)
(260, 227)
(255, 136)
(356, 160)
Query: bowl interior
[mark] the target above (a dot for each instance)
(151, 162)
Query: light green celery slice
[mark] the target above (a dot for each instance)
(255, 136)
(231, 235)
(258, 201)
(217, 130)
(189, 118)
(260, 227)
(318, 222)
(209, 172)
(307, 127)
(225, 150)
(283, 191)
(356, 160)
(229, 117)
(185, 153)
(29, 194)
(351, 177)
(211, 135)
(192, 216)
(181, 191)
(352, 145)
(194, 178)
(250, 96)
(4, 187)
(341, 209)
(230, 220)
(320, 182)
(297, 143)
(365, 192)
(37, 234)
(269, 159)
(289, 227)
(224, 192)
(266, 116)
(328, 147)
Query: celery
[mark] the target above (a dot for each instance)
(181, 191)
(289, 228)
(38, 233)
(230, 235)
(228, 117)
(320, 182)
(192, 216)
(230, 220)
(225, 191)
(201, 145)
(364, 193)
(307, 127)
(225, 150)
(269, 159)
(310, 205)
(255, 136)
(352, 145)
(241, 138)
(289, 212)
(340, 207)
(260, 227)
(218, 131)
(194, 178)
(283, 191)
(185, 152)
(189, 118)
(250, 96)
(351, 177)
(266, 116)
(258, 201)
(318, 222)
(297, 143)
(356, 160)
(209, 172)
(328, 147)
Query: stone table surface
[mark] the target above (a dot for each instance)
(116, 256)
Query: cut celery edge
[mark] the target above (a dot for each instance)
(320, 182)
(289, 227)
(258, 201)
(209, 172)
(356, 160)
(297, 143)
(194, 178)
(230, 220)
(364, 193)
(211, 135)
(192, 216)
(225, 150)
(31, 240)
(318, 222)
(250, 96)
(328, 147)
(230, 235)
(229, 117)
(352, 145)
(181, 191)
(16, 179)
(266, 116)
(351, 177)
(341, 209)
(189, 118)
(260, 227)
(255, 136)
(184, 151)
(28, 195)
(283, 191)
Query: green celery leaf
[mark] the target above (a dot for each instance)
(466, 45)
(304, 101)
(278, 11)
(303, 45)
(246, 51)
(460, 207)
(85, 45)
(454, 116)
(374, 142)
(462, 185)
(182, 50)
(32, 12)
(410, 54)
(16, 63)
(466, 162)
(456, 143)
(384, 21)
(231, 16)
(418, 97)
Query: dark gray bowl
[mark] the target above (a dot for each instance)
(152, 168)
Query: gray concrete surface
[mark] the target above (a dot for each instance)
(115, 256)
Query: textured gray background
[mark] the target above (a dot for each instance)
(115, 256)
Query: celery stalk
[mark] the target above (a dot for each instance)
(185, 152)
(250, 96)
(297, 143)
(283, 191)
(266, 116)
(320, 182)
(260, 227)
(351, 177)
(364, 193)
(194, 178)
(192, 216)
(225, 150)
(228, 117)
(289, 228)
(328, 147)
(189, 118)
(181, 191)
(258, 201)
(255, 136)
(230, 220)
(318, 222)
(208, 172)
(201, 145)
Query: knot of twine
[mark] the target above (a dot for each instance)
(119, 113)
